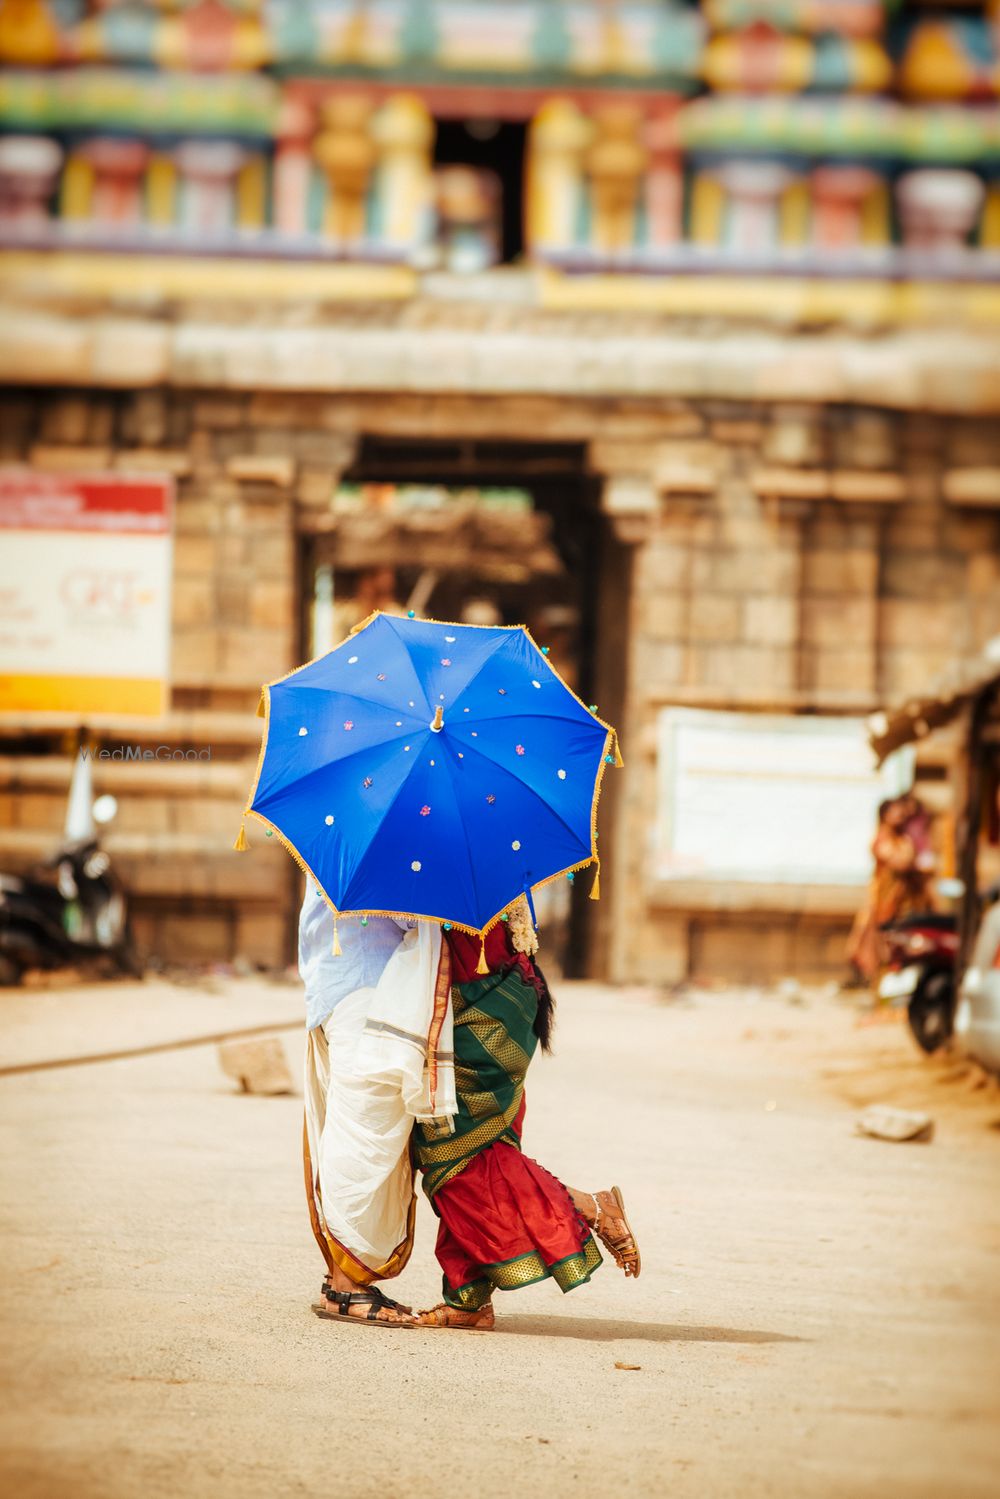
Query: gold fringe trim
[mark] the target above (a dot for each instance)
(241, 845)
(356, 629)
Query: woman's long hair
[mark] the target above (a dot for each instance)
(546, 1012)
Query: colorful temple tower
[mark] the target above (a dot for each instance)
(649, 134)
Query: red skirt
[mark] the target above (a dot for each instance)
(507, 1222)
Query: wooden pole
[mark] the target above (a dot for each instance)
(967, 833)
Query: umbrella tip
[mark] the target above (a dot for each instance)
(438, 723)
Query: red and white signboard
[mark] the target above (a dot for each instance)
(85, 576)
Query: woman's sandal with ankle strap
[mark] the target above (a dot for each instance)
(372, 1297)
(624, 1251)
(484, 1323)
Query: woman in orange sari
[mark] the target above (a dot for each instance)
(900, 883)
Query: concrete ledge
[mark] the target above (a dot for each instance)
(864, 486)
(733, 895)
(159, 777)
(972, 486)
(193, 726)
(434, 348)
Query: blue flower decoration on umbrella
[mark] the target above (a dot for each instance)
(432, 770)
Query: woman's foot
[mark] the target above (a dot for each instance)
(443, 1315)
(605, 1212)
(343, 1299)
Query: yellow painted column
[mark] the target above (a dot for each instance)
(708, 202)
(557, 141)
(616, 163)
(161, 192)
(346, 153)
(989, 224)
(403, 132)
(794, 214)
(76, 192)
(875, 216)
(251, 192)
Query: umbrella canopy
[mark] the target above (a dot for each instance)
(431, 770)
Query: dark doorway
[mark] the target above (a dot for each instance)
(492, 147)
(486, 532)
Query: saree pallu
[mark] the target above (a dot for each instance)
(505, 1222)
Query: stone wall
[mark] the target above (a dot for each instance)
(787, 557)
(234, 626)
(800, 559)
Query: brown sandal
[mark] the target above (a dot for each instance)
(371, 1297)
(444, 1315)
(610, 1208)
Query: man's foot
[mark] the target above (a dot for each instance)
(605, 1212)
(347, 1302)
(443, 1315)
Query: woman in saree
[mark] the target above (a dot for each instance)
(504, 1221)
(901, 881)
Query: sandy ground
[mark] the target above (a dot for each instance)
(818, 1313)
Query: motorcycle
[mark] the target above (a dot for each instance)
(921, 973)
(69, 911)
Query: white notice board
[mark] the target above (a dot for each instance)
(768, 798)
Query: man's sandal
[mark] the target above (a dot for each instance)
(371, 1297)
(610, 1209)
(396, 1306)
(444, 1315)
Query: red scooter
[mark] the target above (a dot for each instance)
(921, 973)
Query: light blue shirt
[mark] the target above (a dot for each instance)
(365, 950)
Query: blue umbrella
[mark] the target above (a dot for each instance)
(431, 770)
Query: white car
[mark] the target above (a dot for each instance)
(977, 1015)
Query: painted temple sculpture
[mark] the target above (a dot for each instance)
(459, 134)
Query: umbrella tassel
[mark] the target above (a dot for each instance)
(619, 762)
(261, 710)
(241, 845)
(337, 950)
(595, 889)
(482, 966)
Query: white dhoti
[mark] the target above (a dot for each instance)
(383, 1058)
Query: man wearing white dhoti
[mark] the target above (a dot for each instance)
(378, 1057)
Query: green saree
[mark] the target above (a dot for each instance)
(504, 1221)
